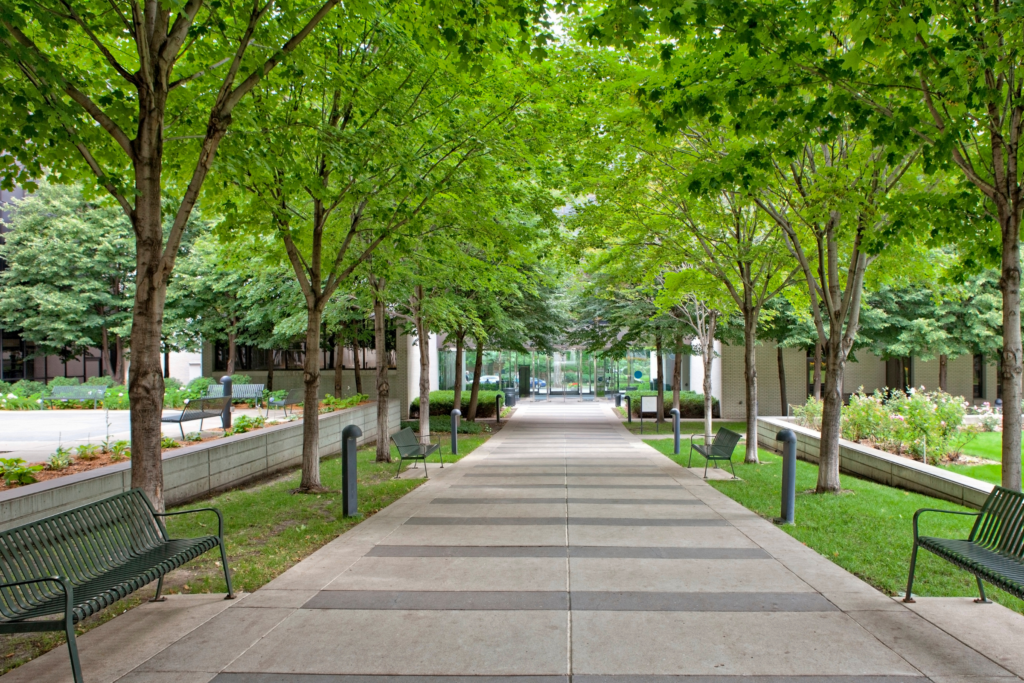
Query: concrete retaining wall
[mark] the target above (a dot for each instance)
(196, 471)
(876, 465)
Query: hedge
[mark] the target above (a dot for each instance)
(443, 403)
(440, 423)
(691, 404)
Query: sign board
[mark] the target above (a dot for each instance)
(638, 375)
(648, 404)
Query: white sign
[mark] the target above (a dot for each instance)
(648, 404)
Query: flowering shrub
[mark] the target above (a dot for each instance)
(919, 423)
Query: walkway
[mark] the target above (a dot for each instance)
(565, 546)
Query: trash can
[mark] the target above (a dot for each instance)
(618, 400)
(510, 396)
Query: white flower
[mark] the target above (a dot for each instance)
(121, 394)
(39, 400)
(11, 396)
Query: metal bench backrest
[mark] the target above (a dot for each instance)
(294, 396)
(79, 545)
(79, 393)
(725, 442)
(203, 407)
(1000, 526)
(406, 441)
(239, 391)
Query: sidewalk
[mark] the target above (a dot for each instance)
(564, 547)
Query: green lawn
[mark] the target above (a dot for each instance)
(651, 426)
(867, 529)
(988, 445)
(268, 529)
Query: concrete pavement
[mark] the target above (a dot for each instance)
(565, 547)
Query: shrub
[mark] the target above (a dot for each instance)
(87, 451)
(168, 442)
(120, 450)
(116, 398)
(809, 414)
(197, 387)
(691, 404)
(24, 388)
(440, 423)
(5, 388)
(59, 459)
(172, 383)
(16, 472)
(443, 403)
(243, 423)
(12, 401)
(65, 382)
(241, 379)
(331, 404)
(194, 436)
(105, 381)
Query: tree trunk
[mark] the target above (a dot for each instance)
(831, 416)
(707, 352)
(1009, 283)
(661, 379)
(270, 372)
(782, 380)
(383, 388)
(311, 406)
(119, 371)
(146, 376)
(474, 394)
(460, 343)
(817, 371)
(750, 375)
(232, 353)
(356, 370)
(339, 368)
(677, 371)
(424, 344)
(105, 368)
(943, 371)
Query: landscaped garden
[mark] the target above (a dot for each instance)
(866, 529)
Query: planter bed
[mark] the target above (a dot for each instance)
(194, 471)
(877, 465)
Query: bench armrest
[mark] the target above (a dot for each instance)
(694, 435)
(220, 518)
(65, 588)
(947, 512)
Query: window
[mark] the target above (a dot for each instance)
(246, 358)
(810, 371)
(979, 375)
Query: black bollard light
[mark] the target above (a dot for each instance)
(788, 438)
(629, 409)
(675, 428)
(497, 407)
(349, 489)
(455, 429)
(225, 416)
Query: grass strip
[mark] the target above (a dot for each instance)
(866, 529)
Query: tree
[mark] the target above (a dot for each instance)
(703, 320)
(69, 277)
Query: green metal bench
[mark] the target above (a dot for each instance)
(81, 393)
(410, 448)
(198, 409)
(721, 448)
(292, 398)
(76, 563)
(239, 392)
(994, 551)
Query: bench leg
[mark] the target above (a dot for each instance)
(227, 572)
(910, 579)
(981, 590)
(159, 589)
(399, 467)
(182, 428)
(76, 666)
(733, 468)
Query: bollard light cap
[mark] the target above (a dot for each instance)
(786, 435)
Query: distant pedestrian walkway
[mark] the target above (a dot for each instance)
(565, 547)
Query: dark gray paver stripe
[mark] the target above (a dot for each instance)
(369, 678)
(582, 501)
(642, 553)
(641, 678)
(440, 600)
(562, 486)
(467, 551)
(638, 601)
(560, 521)
(575, 551)
(590, 601)
(652, 475)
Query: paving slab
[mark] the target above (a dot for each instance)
(565, 550)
